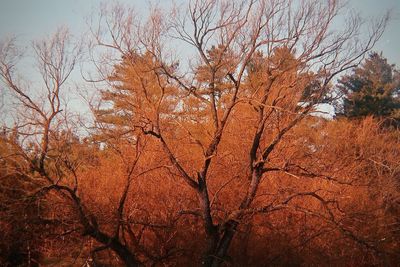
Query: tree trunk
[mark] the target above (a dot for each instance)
(211, 230)
(231, 225)
(115, 245)
(126, 256)
(225, 243)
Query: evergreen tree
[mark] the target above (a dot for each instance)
(372, 90)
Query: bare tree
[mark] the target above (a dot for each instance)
(42, 117)
(277, 57)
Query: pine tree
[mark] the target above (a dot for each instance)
(372, 90)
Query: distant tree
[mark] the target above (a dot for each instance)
(372, 89)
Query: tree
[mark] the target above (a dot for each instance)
(20, 221)
(298, 56)
(220, 145)
(59, 169)
(46, 135)
(372, 90)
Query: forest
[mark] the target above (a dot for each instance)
(202, 134)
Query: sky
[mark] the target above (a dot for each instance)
(30, 20)
(33, 19)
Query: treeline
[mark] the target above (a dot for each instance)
(220, 158)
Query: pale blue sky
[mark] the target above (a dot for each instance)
(33, 19)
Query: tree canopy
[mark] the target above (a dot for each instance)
(372, 89)
(215, 158)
